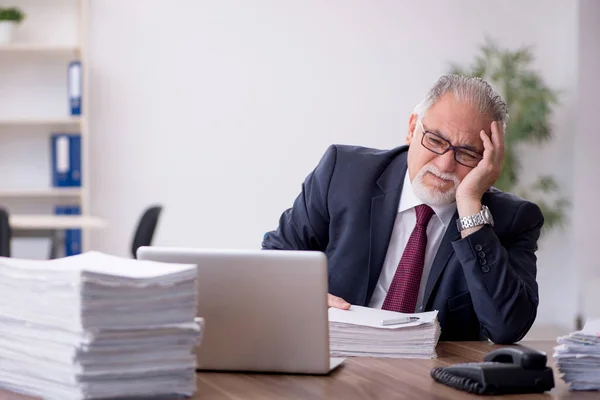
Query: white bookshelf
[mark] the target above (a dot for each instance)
(36, 62)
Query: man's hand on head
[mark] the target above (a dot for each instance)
(480, 178)
(337, 302)
(478, 181)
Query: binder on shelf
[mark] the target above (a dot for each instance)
(66, 160)
(72, 243)
(74, 87)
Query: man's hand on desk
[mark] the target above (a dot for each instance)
(337, 302)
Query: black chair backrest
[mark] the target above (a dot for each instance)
(5, 234)
(145, 229)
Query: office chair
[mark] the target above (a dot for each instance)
(5, 233)
(145, 229)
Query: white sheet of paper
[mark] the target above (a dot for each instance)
(100, 263)
(372, 317)
(592, 326)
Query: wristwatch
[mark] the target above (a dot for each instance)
(483, 217)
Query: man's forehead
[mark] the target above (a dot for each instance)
(455, 128)
(455, 117)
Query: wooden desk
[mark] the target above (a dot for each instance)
(365, 378)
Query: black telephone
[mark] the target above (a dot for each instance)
(506, 370)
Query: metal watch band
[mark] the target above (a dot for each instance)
(473, 220)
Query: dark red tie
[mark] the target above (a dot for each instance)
(404, 290)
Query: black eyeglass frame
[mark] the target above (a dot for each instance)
(450, 147)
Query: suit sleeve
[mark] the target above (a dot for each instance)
(305, 226)
(501, 279)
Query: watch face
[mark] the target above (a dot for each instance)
(487, 215)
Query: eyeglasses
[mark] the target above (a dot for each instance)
(438, 145)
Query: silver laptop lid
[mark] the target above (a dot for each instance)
(264, 310)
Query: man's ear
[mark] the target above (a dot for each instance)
(412, 126)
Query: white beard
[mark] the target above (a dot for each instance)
(435, 196)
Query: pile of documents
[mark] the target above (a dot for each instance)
(97, 326)
(369, 332)
(577, 357)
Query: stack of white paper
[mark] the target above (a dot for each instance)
(578, 357)
(97, 326)
(359, 332)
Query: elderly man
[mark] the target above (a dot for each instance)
(420, 227)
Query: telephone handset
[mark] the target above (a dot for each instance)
(506, 370)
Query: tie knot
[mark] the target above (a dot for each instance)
(424, 214)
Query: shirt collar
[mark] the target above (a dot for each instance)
(409, 200)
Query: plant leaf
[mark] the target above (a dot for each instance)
(530, 102)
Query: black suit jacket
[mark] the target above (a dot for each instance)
(484, 285)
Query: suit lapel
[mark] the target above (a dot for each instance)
(384, 208)
(441, 258)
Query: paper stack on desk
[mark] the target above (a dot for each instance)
(359, 332)
(97, 326)
(578, 357)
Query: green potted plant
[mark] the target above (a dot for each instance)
(10, 17)
(530, 101)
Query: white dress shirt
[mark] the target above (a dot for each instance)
(406, 220)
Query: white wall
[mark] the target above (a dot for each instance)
(219, 109)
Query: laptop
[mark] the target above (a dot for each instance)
(263, 310)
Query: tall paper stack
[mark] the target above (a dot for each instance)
(359, 332)
(578, 357)
(97, 326)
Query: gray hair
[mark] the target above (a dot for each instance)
(474, 91)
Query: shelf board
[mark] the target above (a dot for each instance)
(67, 121)
(43, 222)
(39, 48)
(41, 193)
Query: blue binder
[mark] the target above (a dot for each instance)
(75, 157)
(73, 237)
(74, 84)
(66, 160)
